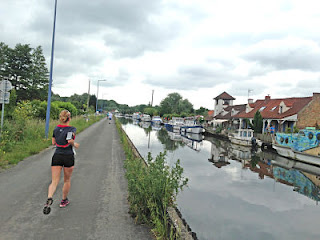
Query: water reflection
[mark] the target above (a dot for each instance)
(237, 193)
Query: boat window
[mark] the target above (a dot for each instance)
(281, 139)
(310, 135)
(318, 136)
(286, 140)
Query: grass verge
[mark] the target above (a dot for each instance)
(153, 187)
(21, 139)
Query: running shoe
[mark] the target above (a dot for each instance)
(47, 208)
(64, 203)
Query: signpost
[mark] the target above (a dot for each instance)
(5, 87)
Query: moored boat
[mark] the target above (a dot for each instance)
(174, 124)
(242, 137)
(156, 120)
(136, 116)
(145, 118)
(303, 146)
(191, 126)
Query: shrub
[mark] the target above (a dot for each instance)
(152, 188)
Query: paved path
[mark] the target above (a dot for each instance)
(98, 197)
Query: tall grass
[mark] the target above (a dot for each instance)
(26, 137)
(153, 187)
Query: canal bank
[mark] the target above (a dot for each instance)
(181, 228)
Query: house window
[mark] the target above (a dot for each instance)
(273, 108)
(261, 109)
(281, 109)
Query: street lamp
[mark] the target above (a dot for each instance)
(51, 70)
(103, 80)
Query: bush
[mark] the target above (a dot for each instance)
(288, 130)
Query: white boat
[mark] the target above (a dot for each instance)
(156, 120)
(145, 118)
(193, 140)
(191, 126)
(174, 136)
(303, 146)
(136, 116)
(175, 124)
(144, 124)
(242, 137)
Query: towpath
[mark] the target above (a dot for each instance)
(98, 197)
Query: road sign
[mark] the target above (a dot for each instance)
(5, 85)
(4, 97)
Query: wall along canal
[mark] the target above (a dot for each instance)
(236, 194)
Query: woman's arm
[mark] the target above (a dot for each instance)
(54, 141)
(73, 143)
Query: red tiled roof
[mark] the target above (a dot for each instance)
(269, 108)
(225, 96)
(238, 108)
(210, 112)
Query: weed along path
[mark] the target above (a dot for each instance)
(98, 206)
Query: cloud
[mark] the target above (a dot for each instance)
(284, 54)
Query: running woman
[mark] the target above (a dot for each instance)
(110, 117)
(63, 158)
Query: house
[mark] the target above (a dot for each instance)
(284, 112)
(225, 111)
(208, 119)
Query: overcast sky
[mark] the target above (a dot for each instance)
(198, 48)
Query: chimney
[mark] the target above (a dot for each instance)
(316, 96)
(250, 100)
(267, 98)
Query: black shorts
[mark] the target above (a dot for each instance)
(62, 160)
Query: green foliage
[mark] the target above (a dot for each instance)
(174, 103)
(26, 69)
(151, 111)
(152, 188)
(295, 129)
(288, 130)
(202, 111)
(257, 122)
(219, 129)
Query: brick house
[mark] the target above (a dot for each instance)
(310, 115)
(284, 113)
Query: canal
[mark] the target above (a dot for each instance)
(236, 193)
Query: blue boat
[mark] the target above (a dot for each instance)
(302, 146)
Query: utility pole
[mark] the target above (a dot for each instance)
(88, 97)
(152, 98)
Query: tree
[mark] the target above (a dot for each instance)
(26, 68)
(202, 111)
(38, 83)
(4, 52)
(174, 103)
(257, 122)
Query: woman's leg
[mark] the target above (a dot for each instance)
(67, 181)
(55, 172)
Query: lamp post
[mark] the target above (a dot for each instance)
(51, 69)
(103, 80)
